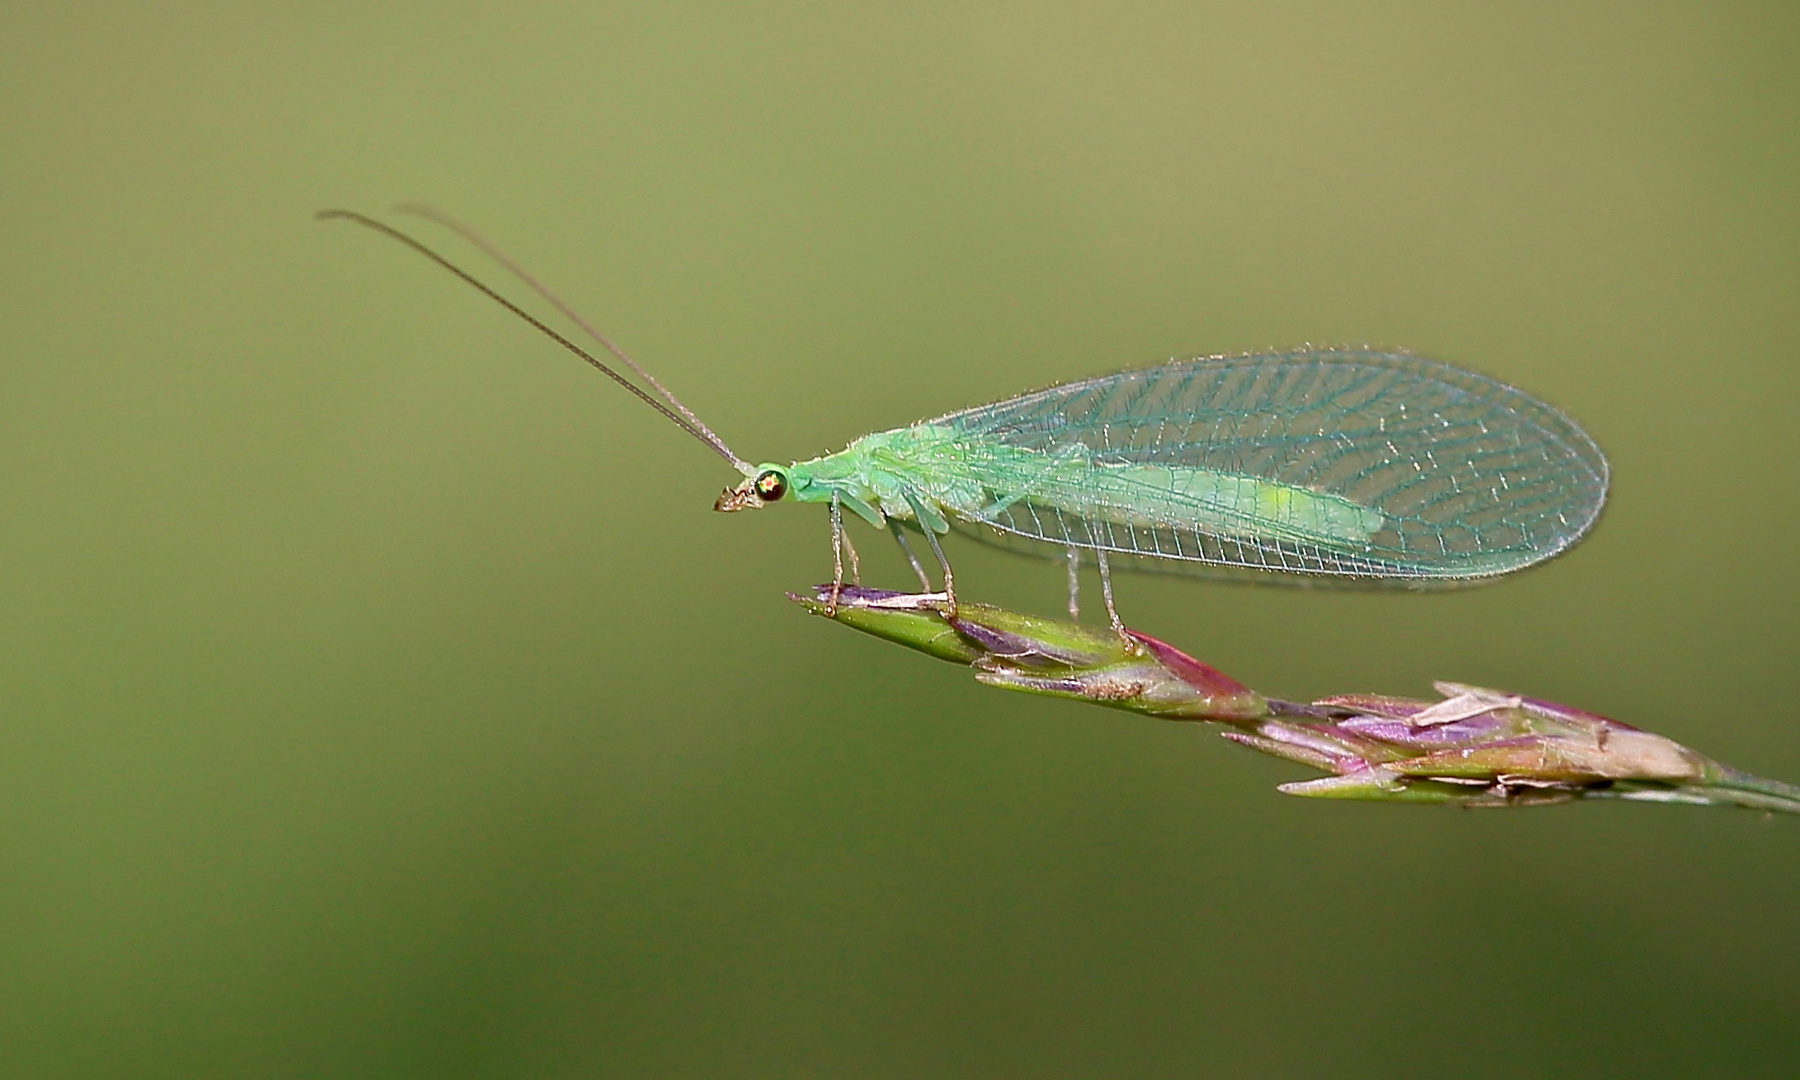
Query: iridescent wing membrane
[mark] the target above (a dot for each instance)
(1343, 463)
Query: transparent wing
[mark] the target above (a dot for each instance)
(1457, 476)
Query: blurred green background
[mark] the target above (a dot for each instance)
(382, 698)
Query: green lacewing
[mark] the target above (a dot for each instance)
(1355, 465)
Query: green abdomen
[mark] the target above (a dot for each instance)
(1173, 496)
(1224, 504)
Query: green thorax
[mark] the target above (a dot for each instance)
(936, 464)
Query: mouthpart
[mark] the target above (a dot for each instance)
(741, 497)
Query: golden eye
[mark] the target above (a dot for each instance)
(771, 486)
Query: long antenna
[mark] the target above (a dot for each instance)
(432, 213)
(696, 429)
